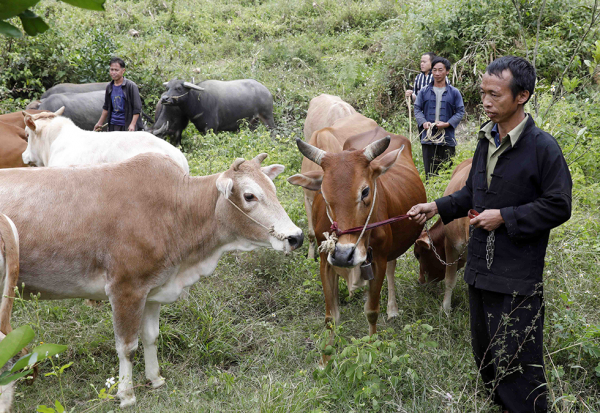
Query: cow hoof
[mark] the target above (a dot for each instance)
(447, 310)
(392, 314)
(127, 402)
(156, 383)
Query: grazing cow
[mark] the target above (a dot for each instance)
(74, 88)
(9, 274)
(220, 106)
(169, 121)
(348, 184)
(55, 141)
(84, 109)
(323, 110)
(137, 233)
(13, 142)
(450, 241)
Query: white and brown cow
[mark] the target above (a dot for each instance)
(137, 233)
(9, 274)
(450, 241)
(56, 141)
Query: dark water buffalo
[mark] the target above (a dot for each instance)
(220, 106)
(170, 121)
(74, 88)
(84, 109)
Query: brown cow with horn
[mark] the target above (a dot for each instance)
(357, 189)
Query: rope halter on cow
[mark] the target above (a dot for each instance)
(270, 230)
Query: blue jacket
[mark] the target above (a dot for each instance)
(452, 111)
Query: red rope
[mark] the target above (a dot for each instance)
(334, 226)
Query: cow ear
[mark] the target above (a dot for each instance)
(311, 180)
(380, 167)
(423, 241)
(29, 120)
(60, 111)
(225, 186)
(273, 170)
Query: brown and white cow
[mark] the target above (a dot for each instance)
(347, 185)
(450, 241)
(9, 274)
(137, 233)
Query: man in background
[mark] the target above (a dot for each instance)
(439, 109)
(122, 103)
(423, 78)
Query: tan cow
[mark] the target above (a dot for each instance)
(450, 241)
(347, 186)
(9, 274)
(137, 233)
(13, 142)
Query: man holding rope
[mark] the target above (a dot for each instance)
(520, 188)
(439, 109)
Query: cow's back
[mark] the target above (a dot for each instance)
(323, 111)
(74, 88)
(84, 109)
(80, 221)
(16, 118)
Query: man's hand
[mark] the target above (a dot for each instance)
(408, 93)
(98, 127)
(427, 125)
(442, 125)
(422, 212)
(490, 219)
(131, 127)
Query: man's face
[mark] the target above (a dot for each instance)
(439, 72)
(425, 63)
(116, 71)
(498, 101)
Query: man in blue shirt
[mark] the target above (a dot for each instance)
(439, 109)
(122, 103)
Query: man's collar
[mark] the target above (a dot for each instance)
(487, 130)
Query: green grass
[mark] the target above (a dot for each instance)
(248, 337)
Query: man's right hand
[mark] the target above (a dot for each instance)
(408, 93)
(427, 125)
(98, 127)
(422, 212)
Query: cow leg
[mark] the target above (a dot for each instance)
(150, 332)
(392, 305)
(128, 309)
(329, 280)
(450, 279)
(372, 304)
(312, 240)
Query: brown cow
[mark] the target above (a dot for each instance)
(348, 182)
(9, 274)
(138, 233)
(16, 118)
(13, 142)
(450, 241)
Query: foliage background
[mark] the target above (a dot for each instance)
(248, 337)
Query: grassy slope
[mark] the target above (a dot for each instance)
(245, 338)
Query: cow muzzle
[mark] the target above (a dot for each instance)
(345, 255)
(295, 241)
(166, 100)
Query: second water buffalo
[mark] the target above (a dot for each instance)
(220, 105)
(84, 109)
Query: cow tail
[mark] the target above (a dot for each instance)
(9, 247)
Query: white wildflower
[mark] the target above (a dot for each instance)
(552, 88)
(110, 382)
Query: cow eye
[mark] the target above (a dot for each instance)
(365, 193)
(249, 197)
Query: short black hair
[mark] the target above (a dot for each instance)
(442, 60)
(522, 71)
(431, 56)
(118, 60)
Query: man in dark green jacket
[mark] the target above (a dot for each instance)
(520, 186)
(122, 103)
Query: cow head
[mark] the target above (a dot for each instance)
(38, 140)
(347, 184)
(430, 268)
(170, 120)
(250, 206)
(178, 92)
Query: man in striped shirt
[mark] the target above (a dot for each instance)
(424, 78)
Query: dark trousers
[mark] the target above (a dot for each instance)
(507, 340)
(117, 128)
(434, 156)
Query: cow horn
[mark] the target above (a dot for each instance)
(166, 84)
(259, 158)
(161, 130)
(376, 148)
(192, 86)
(314, 154)
(236, 164)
